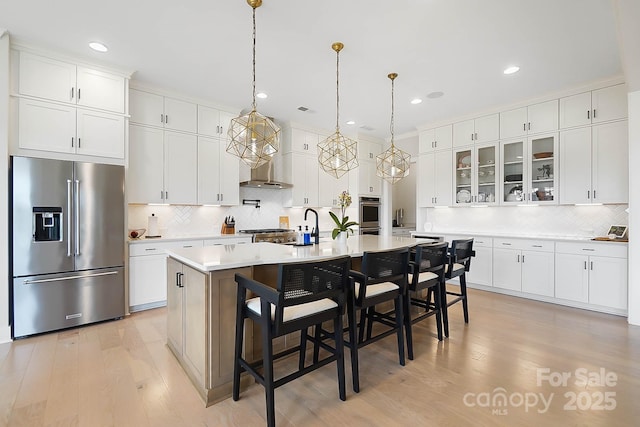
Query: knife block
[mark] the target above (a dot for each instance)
(228, 229)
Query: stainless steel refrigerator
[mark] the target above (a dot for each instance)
(67, 244)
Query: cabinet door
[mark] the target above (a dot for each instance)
(610, 174)
(513, 123)
(463, 133)
(608, 282)
(46, 126)
(145, 176)
(304, 142)
(208, 171)
(147, 280)
(47, 78)
(464, 179)
(506, 269)
(208, 121)
(175, 324)
(575, 110)
(100, 134)
(425, 182)
(481, 267)
(542, 117)
(426, 141)
(146, 108)
(329, 188)
(487, 128)
(538, 273)
(443, 138)
(195, 321)
(541, 180)
(609, 103)
(225, 124)
(485, 187)
(572, 277)
(100, 90)
(513, 172)
(574, 160)
(229, 176)
(442, 178)
(180, 175)
(180, 115)
(369, 183)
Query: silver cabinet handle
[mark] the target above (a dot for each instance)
(72, 92)
(588, 249)
(166, 195)
(161, 118)
(529, 124)
(588, 194)
(472, 137)
(506, 244)
(187, 246)
(108, 273)
(594, 113)
(78, 94)
(518, 257)
(524, 126)
(594, 194)
(150, 249)
(591, 261)
(537, 246)
(523, 259)
(221, 197)
(79, 142)
(76, 211)
(71, 142)
(161, 194)
(69, 207)
(585, 265)
(166, 119)
(588, 114)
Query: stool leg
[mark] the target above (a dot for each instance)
(303, 348)
(444, 307)
(399, 321)
(316, 346)
(339, 351)
(362, 324)
(353, 345)
(463, 291)
(238, 350)
(267, 364)
(370, 316)
(436, 303)
(407, 326)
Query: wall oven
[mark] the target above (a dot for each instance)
(369, 215)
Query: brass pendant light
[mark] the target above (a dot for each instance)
(393, 164)
(337, 154)
(253, 137)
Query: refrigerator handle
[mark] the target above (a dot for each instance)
(76, 211)
(69, 207)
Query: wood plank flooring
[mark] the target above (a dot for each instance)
(121, 373)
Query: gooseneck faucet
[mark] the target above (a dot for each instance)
(316, 233)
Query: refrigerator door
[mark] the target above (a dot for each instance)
(56, 301)
(99, 228)
(41, 192)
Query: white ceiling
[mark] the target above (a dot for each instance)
(460, 47)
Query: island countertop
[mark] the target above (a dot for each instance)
(222, 257)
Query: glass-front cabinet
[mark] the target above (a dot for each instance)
(475, 175)
(527, 173)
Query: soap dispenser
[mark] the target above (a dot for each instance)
(307, 235)
(299, 236)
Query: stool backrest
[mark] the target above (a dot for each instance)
(461, 252)
(431, 258)
(385, 266)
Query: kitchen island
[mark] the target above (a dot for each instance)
(201, 301)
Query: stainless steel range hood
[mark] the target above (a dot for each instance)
(261, 178)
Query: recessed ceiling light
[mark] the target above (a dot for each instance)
(261, 95)
(351, 122)
(416, 101)
(511, 70)
(434, 95)
(98, 47)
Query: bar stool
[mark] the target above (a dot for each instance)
(426, 272)
(459, 262)
(307, 294)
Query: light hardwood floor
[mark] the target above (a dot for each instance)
(121, 373)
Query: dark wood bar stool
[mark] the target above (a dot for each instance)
(383, 278)
(459, 262)
(307, 294)
(426, 272)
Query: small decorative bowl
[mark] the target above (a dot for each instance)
(136, 233)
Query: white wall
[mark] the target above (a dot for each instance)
(5, 331)
(634, 207)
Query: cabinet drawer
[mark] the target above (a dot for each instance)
(527, 245)
(227, 241)
(616, 250)
(155, 248)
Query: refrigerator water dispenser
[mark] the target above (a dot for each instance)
(47, 224)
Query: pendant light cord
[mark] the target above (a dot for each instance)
(392, 112)
(254, 60)
(337, 91)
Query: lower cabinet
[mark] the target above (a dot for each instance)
(481, 271)
(524, 265)
(595, 274)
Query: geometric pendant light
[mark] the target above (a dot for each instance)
(253, 137)
(393, 164)
(337, 154)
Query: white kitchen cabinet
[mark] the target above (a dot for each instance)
(592, 164)
(148, 272)
(528, 170)
(161, 166)
(593, 273)
(218, 173)
(475, 175)
(213, 122)
(440, 138)
(542, 117)
(61, 81)
(593, 107)
(368, 150)
(479, 130)
(435, 172)
(481, 269)
(302, 171)
(300, 141)
(65, 129)
(329, 188)
(156, 110)
(369, 183)
(524, 265)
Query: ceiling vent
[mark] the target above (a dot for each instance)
(303, 109)
(365, 127)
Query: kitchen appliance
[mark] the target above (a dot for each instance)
(272, 235)
(67, 244)
(261, 178)
(399, 217)
(370, 215)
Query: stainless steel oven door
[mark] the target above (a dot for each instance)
(369, 212)
(374, 231)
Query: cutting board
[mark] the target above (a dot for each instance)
(606, 239)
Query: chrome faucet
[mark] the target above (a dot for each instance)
(316, 232)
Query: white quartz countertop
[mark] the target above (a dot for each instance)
(185, 237)
(557, 238)
(223, 257)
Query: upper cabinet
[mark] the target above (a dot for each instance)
(596, 106)
(481, 129)
(218, 173)
(55, 80)
(213, 122)
(475, 177)
(156, 110)
(368, 150)
(542, 117)
(434, 174)
(440, 138)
